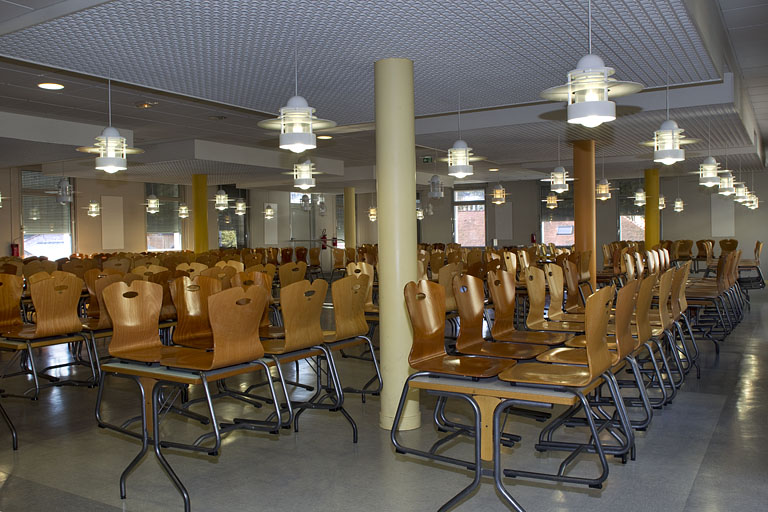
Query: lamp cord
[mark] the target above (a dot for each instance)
(458, 115)
(589, 22)
(109, 99)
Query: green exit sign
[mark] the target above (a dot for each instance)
(426, 159)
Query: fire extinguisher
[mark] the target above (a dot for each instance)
(335, 242)
(533, 238)
(324, 241)
(15, 250)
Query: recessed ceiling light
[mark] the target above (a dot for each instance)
(50, 86)
(324, 137)
(145, 104)
(217, 118)
(493, 169)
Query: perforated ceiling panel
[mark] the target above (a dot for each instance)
(240, 52)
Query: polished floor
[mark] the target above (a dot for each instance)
(705, 452)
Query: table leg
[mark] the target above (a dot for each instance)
(487, 405)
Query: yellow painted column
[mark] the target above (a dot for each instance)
(585, 221)
(652, 214)
(200, 211)
(350, 221)
(396, 196)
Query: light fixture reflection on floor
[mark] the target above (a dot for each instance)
(589, 88)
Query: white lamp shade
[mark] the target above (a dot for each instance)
(459, 160)
(372, 214)
(740, 192)
(551, 201)
(640, 198)
(240, 207)
(679, 205)
(662, 202)
(94, 209)
(666, 144)
(499, 195)
(558, 180)
(183, 211)
(708, 172)
(153, 204)
(436, 187)
(302, 175)
(726, 187)
(112, 149)
(603, 190)
(221, 200)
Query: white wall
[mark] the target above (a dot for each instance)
(10, 221)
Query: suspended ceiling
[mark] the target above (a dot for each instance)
(217, 68)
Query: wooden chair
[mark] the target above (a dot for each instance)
(535, 320)
(222, 274)
(302, 305)
(315, 266)
(436, 262)
(168, 310)
(445, 279)
(555, 281)
(145, 271)
(756, 281)
(55, 298)
(470, 297)
(290, 273)
(363, 268)
(727, 245)
(121, 264)
(286, 255)
(190, 297)
(301, 255)
(338, 262)
(501, 288)
(272, 253)
(579, 380)
(268, 269)
(235, 264)
(351, 327)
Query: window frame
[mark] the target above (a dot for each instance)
(41, 193)
(472, 202)
(164, 199)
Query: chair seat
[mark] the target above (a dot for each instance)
(570, 355)
(478, 367)
(144, 355)
(271, 332)
(581, 342)
(202, 341)
(190, 358)
(28, 332)
(372, 308)
(277, 347)
(543, 325)
(537, 338)
(502, 349)
(330, 337)
(548, 374)
(567, 317)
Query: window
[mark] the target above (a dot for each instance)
(303, 216)
(631, 217)
(164, 227)
(46, 223)
(469, 217)
(233, 229)
(557, 225)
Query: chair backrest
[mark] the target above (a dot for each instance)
(639, 265)
(301, 254)
(629, 264)
(643, 308)
(191, 300)
(292, 273)
(436, 262)
(501, 287)
(314, 256)
(476, 269)
(11, 288)
(223, 274)
(445, 279)
(235, 334)
(104, 280)
(571, 273)
(164, 279)
(665, 289)
(728, 245)
(453, 257)
(135, 312)
(338, 258)
(75, 266)
(758, 251)
(596, 315)
(349, 298)
(193, 269)
(510, 262)
(286, 255)
(682, 302)
(555, 281)
(121, 264)
(470, 295)
(425, 302)
(474, 256)
(302, 305)
(625, 305)
(246, 280)
(534, 283)
(679, 277)
(90, 278)
(147, 270)
(55, 299)
(360, 268)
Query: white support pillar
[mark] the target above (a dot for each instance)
(396, 196)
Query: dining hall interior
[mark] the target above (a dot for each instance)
(386, 255)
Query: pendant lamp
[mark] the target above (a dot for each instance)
(153, 204)
(499, 195)
(589, 88)
(183, 211)
(436, 187)
(302, 175)
(296, 121)
(662, 202)
(110, 145)
(221, 200)
(679, 205)
(240, 206)
(94, 208)
(269, 212)
(372, 214)
(640, 197)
